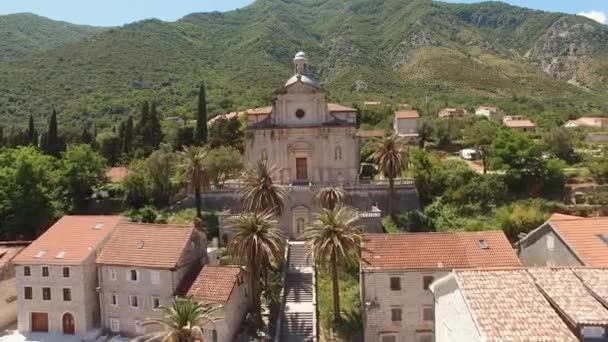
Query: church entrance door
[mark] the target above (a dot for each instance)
(301, 169)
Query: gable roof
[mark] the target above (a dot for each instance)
(506, 305)
(407, 114)
(335, 107)
(10, 249)
(519, 123)
(157, 246)
(437, 251)
(215, 284)
(259, 111)
(69, 241)
(581, 234)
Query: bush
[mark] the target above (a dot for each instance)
(521, 217)
(146, 214)
(599, 171)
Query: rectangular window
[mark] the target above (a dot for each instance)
(155, 302)
(133, 301)
(427, 281)
(45, 271)
(113, 274)
(213, 335)
(27, 271)
(67, 295)
(114, 325)
(114, 299)
(27, 292)
(396, 314)
(133, 275)
(428, 314)
(396, 283)
(46, 293)
(66, 272)
(550, 242)
(155, 277)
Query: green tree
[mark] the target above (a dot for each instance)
(32, 132)
(155, 129)
(521, 217)
(80, 170)
(193, 171)
(391, 159)
(183, 137)
(330, 197)
(51, 143)
(182, 321)
(480, 137)
(226, 132)
(334, 238)
(160, 169)
(259, 192)
(224, 163)
(110, 147)
(559, 142)
(257, 242)
(127, 138)
(86, 137)
(201, 117)
(135, 187)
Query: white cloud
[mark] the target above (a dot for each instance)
(599, 16)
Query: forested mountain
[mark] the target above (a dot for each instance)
(25, 33)
(405, 50)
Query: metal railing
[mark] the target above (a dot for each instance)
(282, 295)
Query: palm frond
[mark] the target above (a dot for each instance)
(259, 192)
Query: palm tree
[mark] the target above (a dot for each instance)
(194, 172)
(182, 321)
(334, 237)
(391, 159)
(330, 197)
(259, 192)
(257, 242)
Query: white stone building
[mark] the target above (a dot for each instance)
(397, 270)
(406, 124)
(492, 113)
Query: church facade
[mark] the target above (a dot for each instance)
(308, 140)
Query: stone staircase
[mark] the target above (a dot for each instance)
(298, 318)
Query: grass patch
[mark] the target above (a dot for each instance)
(186, 216)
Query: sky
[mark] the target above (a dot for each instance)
(119, 12)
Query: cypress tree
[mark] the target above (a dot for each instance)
(201, 117)
(32, 133)
(156, 134)
(141, 129)
(51, 144)
(86, 137)
(2, 142)
(127, 141)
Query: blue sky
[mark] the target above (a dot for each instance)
(118, 12)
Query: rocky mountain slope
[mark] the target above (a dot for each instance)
(392, 49)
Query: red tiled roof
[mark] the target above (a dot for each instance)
(596, 281)
(215, 284)
(407, 114)
(519, 123)
(437, 250)
(10, 249)
(260, 111)
(581, 234)
(69, 241)
(227, 116)
(146, 245)
(507, 306)
(117, 174)
(334, 107)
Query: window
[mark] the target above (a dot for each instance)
(424, 337)
(155, 302)
(114, 299)
(46, 293)
(427, 281)
(396, 314)
(338, 153)
(133, 301)
(66, 272)
(45, 271)
(428, 314)
(483, 244)
(114, 325)
(133, 275)
(300, 113)
(155, 277)
(113, 274)
(213, 335)
(67, 295)
(27, 271)
(395, 283)
(27, 292)
(388, 338)
(550, 242)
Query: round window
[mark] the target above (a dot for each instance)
(299, 113)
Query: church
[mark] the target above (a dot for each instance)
(308, 140)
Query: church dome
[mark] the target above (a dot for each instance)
(304, 79)
(301, 54)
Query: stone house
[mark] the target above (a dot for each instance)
(517, 304)
(141, 268)
(397, 270)
(453, 113)
(225, 286)
(57, 277)
(522, 125)
(566, 240)
(8, 282)
(492, 113)
(406, 124)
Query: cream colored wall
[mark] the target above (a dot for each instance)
(453, 319)
(412, 299)
(8, 302)
(81, 284)
(232, 315)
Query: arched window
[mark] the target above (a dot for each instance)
(338, 153)
(305, 69)
(264, 154)
(300, 225)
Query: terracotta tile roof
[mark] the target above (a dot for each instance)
(117, 174)
(215, 283)
(227, 116)
(507, 306)
(260, 111)
(146, 245)
(10, 249)
(582, 235)
(437, 250)
(596, 281)
(566, 291)
(519, 123)
(407, 114)
(69, 241)
(334, 107)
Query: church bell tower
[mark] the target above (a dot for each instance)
(301, 65)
